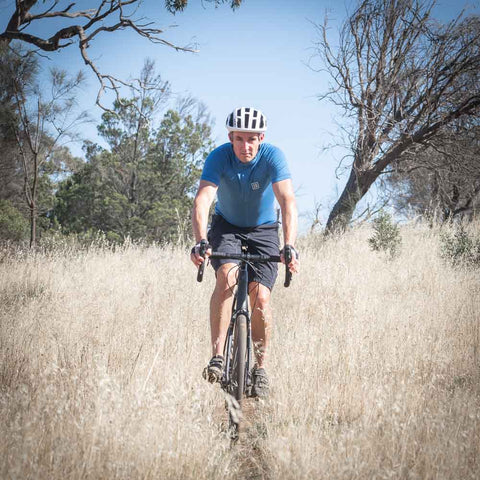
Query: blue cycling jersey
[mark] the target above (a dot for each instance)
(245, 195)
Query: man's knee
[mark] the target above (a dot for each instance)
(261, 296)
(225, 278)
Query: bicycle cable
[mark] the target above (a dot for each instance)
(250, 264)
(231, 287)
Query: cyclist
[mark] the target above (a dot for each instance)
(247, 175)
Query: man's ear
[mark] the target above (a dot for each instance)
(230, 136)
(261, 137)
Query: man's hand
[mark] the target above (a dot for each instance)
(195, 255)
(294, 264)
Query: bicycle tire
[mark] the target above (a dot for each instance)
(238, 374)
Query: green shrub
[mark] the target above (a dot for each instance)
(13, 225)
(461, 248)
(386, 237)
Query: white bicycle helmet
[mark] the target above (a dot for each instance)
(246, 119)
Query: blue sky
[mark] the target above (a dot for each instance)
(256, 56)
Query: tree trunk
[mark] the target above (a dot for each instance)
(33, 197)
(33, 226)
(355, 189)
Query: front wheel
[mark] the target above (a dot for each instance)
(237, 379)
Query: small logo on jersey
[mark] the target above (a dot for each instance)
(255, 185)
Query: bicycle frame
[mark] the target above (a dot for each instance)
(240, 306)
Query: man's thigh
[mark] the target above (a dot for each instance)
(223, 239)
(264, 241)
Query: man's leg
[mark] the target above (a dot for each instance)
(221, 306)
(261, 330)
(261, 320)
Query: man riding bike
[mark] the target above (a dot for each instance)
(247, 175)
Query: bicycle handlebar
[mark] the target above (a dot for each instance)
(287, 253)
(248, 257)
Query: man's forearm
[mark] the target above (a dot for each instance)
(201, 209)
(199, 222)
(200, 212)
(289, 222)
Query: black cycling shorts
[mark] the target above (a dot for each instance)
(262, 240)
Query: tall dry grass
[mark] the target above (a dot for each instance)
(374, 367)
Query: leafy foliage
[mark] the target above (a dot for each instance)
(461, 248)
(174, 6)
(386, 237)
(13, 225)
(142, 186)
(15, 68)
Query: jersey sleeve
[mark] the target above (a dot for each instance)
(212, 168)
(279, 165)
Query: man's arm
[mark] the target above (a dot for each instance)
(201, 208)
(286, 198)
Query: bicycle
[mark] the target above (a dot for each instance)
(236, 378)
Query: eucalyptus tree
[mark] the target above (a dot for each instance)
(400, 77)
(36, 122)
(45, 120)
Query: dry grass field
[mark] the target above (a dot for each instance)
(375, 368)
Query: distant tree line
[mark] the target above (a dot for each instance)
(409, 87)
(139, 186)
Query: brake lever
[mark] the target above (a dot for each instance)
(202, 252)
(287, 255)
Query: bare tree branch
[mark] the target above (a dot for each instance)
(370, 211)
(109, 16)
(442, 179)
(403, 77)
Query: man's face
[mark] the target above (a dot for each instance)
(246, 144)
